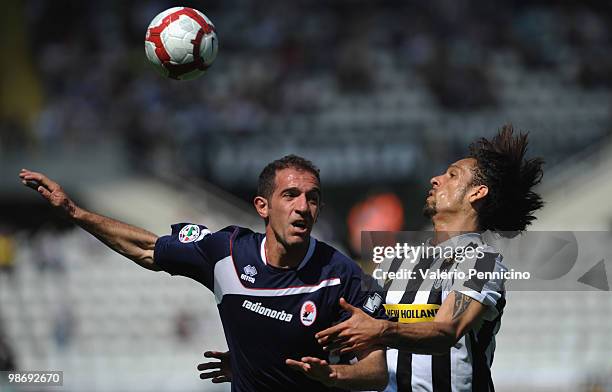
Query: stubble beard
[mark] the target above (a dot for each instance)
(429, 210)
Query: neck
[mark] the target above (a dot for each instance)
(282, 256)
(448, 226)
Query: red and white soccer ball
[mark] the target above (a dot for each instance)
(181, 43)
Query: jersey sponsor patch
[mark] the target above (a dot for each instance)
(191, 233)
(412, 313)
(308, 313)
(256, 307)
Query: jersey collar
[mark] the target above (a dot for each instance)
(311, 248)
(460, 240)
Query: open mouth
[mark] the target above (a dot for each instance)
(300, 225)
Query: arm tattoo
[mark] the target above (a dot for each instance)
(462, 302)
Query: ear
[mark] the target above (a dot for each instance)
(477, 193)
(261, 205)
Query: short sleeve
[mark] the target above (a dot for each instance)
(192, 250)
(483, 282)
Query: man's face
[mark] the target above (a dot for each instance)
(449, 191)
(294, 205)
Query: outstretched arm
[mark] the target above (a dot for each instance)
(457, 315)
(130, 241)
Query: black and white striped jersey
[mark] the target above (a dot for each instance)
(466, 367)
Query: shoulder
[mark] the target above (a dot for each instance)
(238, 232)
(242, 239)
(336, 261)
(490, 258)
(478, 252)
(227, 241)
(231, 233)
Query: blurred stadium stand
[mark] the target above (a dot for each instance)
(569, 206)
(74, 305)
(555, 340)
(381, 95)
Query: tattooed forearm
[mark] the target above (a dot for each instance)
(462, 302)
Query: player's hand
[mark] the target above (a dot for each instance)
(50, 190)
(358, 333)
(220, 371)
(315, 368)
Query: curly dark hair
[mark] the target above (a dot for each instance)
(266, 184)
(502, 167)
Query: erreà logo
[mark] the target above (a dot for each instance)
(249, 273)
(308, 313)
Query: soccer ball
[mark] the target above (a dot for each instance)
(181, 43)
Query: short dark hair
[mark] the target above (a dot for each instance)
(501, 166)
(266, 184)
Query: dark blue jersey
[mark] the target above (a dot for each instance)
(268, 314)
